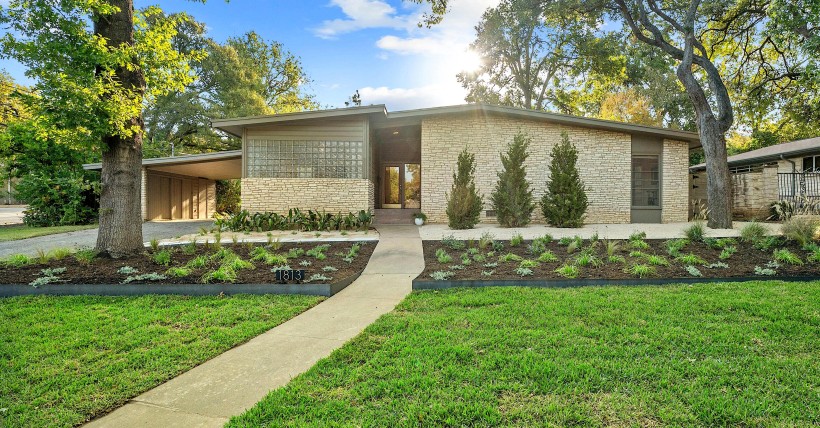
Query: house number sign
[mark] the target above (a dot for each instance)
(289, 275)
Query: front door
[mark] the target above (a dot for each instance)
(401, 185)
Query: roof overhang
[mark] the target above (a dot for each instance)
(235, 126)
(213, 166)
(809, 146)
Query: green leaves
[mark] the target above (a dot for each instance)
(512, 198)
(565, 202)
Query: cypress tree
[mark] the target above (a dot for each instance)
(512, 198)
(463, 202)
(565, 202)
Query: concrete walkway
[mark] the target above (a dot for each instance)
(208, 395)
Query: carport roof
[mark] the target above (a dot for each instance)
(213, 166)
(771, 153)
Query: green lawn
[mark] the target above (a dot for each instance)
(13, 233)
(700, 355)
(64, 360)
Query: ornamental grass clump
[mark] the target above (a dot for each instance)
(641, 270)
(753, 232)
(802, 230)
(512, 197)
(785, 256)
(565, 202)
(464, 204)
(547, 257)
(696, 231)
(568, 271)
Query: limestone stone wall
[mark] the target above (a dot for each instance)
(675, 181)
(333, 195)
(604, 161)
(752, 192)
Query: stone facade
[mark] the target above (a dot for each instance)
(674, 181)
(333, 195)
(604, 162)
(752, 192)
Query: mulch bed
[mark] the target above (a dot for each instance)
(741, 264)
(105, 270)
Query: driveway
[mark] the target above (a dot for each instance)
(11, 214)
(88, 237)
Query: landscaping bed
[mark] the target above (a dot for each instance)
(635, 258)
(193, 263)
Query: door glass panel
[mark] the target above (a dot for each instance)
(391, 187)
(412, 185)
(645, 181)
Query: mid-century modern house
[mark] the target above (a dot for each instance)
(366, 158)
(787, 171)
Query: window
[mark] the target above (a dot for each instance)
(646, 181)
(811, 164)
(305, 159)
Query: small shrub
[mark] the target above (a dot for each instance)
(465, 260)
(641, 270)
(44, 280)
(178, 272)
(512, 197)
(282, 267)
(221, 274)
(198, 262)
(572, 247)
(456, 267)
(294, 253)
(60, 253)
(189, 249)
(693, 271)
(472, 251)
(318, 277)
(487, 272)
(127, 270)
(764, 271)
(637, 254)
(753, 232)
(785, 256)
(814, 256)
(516, 240)
(329, 269)
(690, 259)
(772, 265)
(452, 243)
(547, 257)
(528, 264)
(353, 252)
(637, 236)
(800, 229)
(727, 252)
(464, 204)
(616, 258)
(479, 258)
(441, 275)
(696, 231)
(657, 260)
(145, 277)
(236, 263)
(536, 248)
(565, 202)
(767, 243)
(162, 258)
(486, 240)
(305, 263)
(498, 246)
(638, 245)
(318, 252)
(522, 271)
(443, 257)
(586, 259)
(154, 244)
(490, 264)
(510, 257)
(717, 265)
(53, 271)
(568, 271)
(85, 256)
(612, 247)
(17, 261)
(674, 246)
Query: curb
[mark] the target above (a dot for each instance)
(571, 283)
(326, 290)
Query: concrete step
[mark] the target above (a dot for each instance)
(394, 216)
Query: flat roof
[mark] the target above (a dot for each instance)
(383, 117)
(214, 166)
(771, 153)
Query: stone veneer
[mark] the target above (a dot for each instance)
(675, 181)
(604, 162)
(333, 195)
(752, 192)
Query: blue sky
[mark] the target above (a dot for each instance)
(374, 46)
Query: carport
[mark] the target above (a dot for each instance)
(184, 187)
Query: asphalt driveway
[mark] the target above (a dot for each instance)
(88, 237)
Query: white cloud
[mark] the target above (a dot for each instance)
(411, 98)
(362, 14)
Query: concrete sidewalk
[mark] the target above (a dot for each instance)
(208, 395)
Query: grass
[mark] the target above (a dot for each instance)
(726, 354)
(67, 359)
(13, 233)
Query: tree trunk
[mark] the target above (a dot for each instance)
(120, 230)
(718, 179)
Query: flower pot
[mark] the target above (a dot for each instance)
(419, 221)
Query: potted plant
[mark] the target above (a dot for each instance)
(420, 218)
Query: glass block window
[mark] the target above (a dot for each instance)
(305, 159)
(646, 189)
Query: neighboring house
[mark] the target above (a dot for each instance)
(364, 158)
(788, 171)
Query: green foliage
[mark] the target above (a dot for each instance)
(228, 196)
(295, 219)
(198, 262)
(547, 257)
(674, 246)
(486, 240)
(443, 257)
(696, 231)
(692, 270)
(690, 259)
(568, 271)
(586, 259)
(178, 272)
(153, 276)
(85, 255)
(656, 260)
(727, 252)
(768, 242)
(637, 236)
(510, 257)
(162, 257)
(753, 232)
(522, 271)
(464, 204)
(814, 255)
(638, 245)
(641, 270)
(512, 197)
(441, 275)
(57, 197)
(528, 264)
(223, 273)
(451, 242)
(717, 265)
(565, 202)
(127, 270)
(800, 229)
(783, 255)
(318, 252)
(516, 240)
(764, 271)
